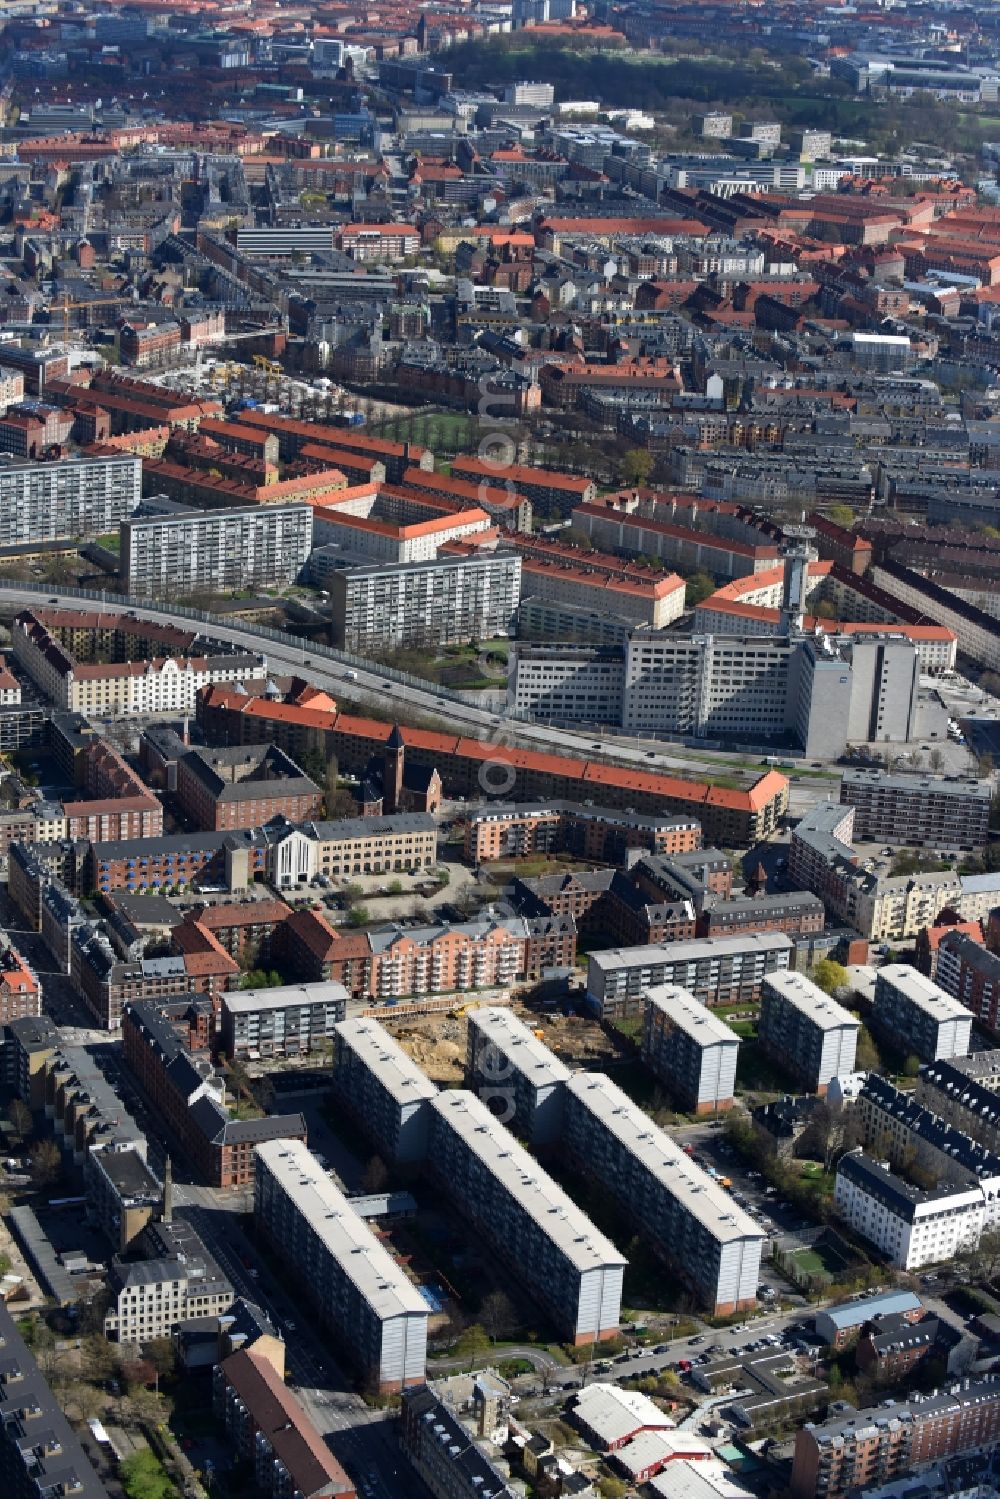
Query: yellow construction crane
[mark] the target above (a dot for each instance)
(272, 366)
(67, 307)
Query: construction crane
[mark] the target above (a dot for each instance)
(271, 366)
(67, 307)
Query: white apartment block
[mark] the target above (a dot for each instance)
(383, 1089)
(359, 1291)
(919, 1016)
(168, 555)
(529, 1222)
(716, 970)
(689, 1049)
(78, 497)
(690, 1220)
(287, 1021)
(910, 1226)
(445, 601)
(515, 1074)
(806, 1031)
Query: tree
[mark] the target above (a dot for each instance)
(577, 538)
(46, 1163)
(698, 587)
(867, 1057)
(160, 1353)
(20, 1118)
(830, 976)
(936, 759)
(358, 917)
(144, 1477)
(841, 515)
(637, 467)
(498, 1315)
(983, 1262)
(911, 1067)
(984, 766)
(376, 1175)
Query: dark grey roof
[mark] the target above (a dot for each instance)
(32, 1422)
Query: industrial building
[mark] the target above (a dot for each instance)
(805, 1031)
(382, 1089)
(359, 1291)
(560, 1258)
(689, 1049)
(688, 1219)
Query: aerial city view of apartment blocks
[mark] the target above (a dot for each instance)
(499, 734)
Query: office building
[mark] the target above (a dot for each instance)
(382, 1089)
(753, 688)
(73, 499)
(444, 601)
(911, 1226)
(188, 551)
(690, 1050)
(805, 1031)
(40, 1454)
(861, 1448)
(560, 1258)
(686, 1217)
(270, 1429)
(289, 1021)
(716, 970)
(358, 1290)
(919, 1016)
(515, 1074)
(924, 811)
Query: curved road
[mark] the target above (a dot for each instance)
(377, 690)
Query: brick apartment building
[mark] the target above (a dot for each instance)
(20, 990)
(166, 1049)
(598, 833)
(244, 787)
(875, 1445)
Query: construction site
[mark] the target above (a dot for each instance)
(437, 1042)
